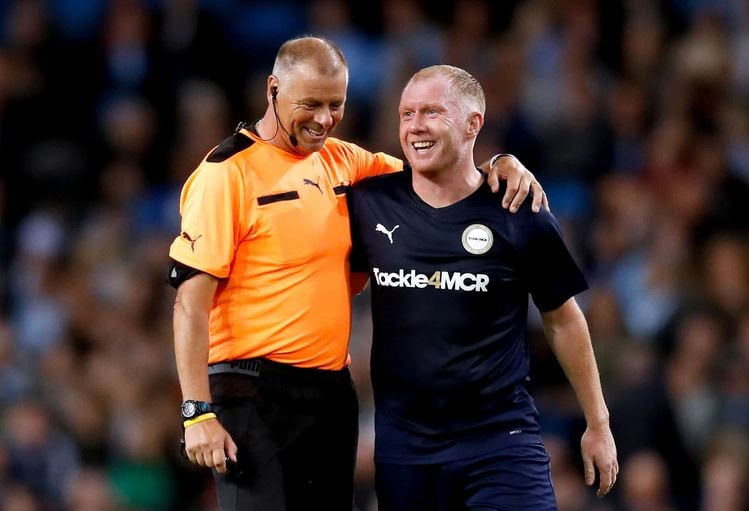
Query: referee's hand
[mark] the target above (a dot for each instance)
(208, 444)
(520, 182)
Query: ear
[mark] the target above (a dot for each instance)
(272, 87)
(474, 124)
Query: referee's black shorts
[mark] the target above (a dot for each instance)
(296, 430)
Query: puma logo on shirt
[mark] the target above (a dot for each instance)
(381, 228)
(312, 183)
(192, 241)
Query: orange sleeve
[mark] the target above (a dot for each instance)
(364, 164)
(384, 164)
(211, 205)
(376, 164)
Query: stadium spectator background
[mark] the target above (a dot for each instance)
(634, 114)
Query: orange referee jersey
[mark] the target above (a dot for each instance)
(273, 227)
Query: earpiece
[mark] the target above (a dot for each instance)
(292, 137)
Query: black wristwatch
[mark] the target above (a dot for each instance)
(192, 409)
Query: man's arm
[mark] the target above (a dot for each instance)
(501, 167)
(568, 335)
(207, 443)
(520, 181)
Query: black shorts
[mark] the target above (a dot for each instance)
(296, 431)
(513, 478)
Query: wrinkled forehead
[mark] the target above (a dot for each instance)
(307, 78)
(430, 90)
(302, 72)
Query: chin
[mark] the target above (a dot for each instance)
(313, 148)
(423, 169)
(422, 163)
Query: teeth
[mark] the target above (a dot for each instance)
(315, 133)
(423, 145)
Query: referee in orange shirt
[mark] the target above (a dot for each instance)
(263, 307)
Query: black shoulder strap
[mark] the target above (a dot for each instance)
(237, 142)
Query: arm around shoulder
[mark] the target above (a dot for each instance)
(520, 182)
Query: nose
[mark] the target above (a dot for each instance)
(416, 124)
(323, 117)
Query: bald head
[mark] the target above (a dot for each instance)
(321, 55)
(306, 95)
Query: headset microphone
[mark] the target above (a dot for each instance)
(292, 137)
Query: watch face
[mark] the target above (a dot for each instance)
(189, 409)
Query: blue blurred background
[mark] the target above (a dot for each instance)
(634, 114)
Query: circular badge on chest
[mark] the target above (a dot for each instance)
(477, 239)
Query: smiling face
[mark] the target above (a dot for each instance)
(310, 105)
(434, 129)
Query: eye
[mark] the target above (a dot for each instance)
(406, 114)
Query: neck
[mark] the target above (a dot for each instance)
(446, 187)
(269, 129)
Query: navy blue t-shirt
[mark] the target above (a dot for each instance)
(450, 293)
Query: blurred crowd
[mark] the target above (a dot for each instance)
(634, 114)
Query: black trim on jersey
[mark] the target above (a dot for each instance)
(341, 189)
(178, 273)
(229, 147)
(277, 197)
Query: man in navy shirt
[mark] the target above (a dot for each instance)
(451, 271)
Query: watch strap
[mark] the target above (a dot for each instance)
(199, 407)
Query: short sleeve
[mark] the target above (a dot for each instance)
(211, 206)
(552, 274)
(380, 163)
(363, 164)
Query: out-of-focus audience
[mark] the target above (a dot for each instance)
(634, 114)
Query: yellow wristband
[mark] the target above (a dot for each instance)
(200, 418)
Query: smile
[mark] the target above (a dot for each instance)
(423, 145)
(315, 133)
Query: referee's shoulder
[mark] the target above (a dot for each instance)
(232, 146)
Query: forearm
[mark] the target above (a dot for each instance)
(191, 313)
(567, 332)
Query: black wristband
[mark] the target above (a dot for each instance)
(192, 409)
(496, 157)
